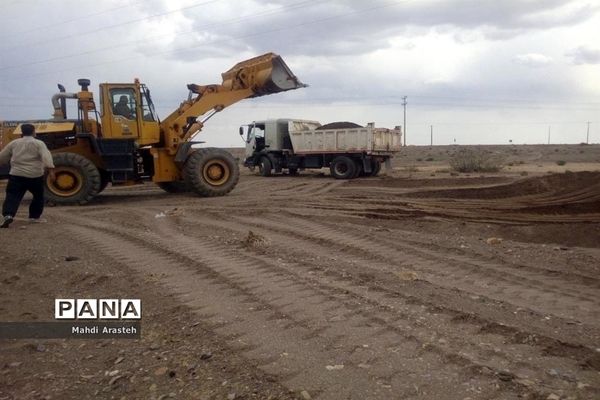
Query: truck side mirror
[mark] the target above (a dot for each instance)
(241, 131)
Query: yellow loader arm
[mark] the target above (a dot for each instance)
(258, 76)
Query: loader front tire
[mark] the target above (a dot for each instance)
(174, 187)
(77, 180)
(342, 167)
(211, 172)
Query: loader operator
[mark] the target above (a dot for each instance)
(29, 158)
(121, 108)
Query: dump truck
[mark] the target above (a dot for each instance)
(347, 149)
(125, 143)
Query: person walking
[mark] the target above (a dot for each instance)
(29, 159)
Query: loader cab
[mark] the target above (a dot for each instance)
(128, 113)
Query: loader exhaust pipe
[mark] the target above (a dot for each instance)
(59, 104)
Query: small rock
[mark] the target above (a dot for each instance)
(40, 347)
(552, 372)
(118, 360)
(505, 376)
(231, 396)
(112, 373)
(71, 258)
(581, 385)
(152, 387)
(406, 275)
(206, 355)
(305, 395)
(553, 396)
(493, 241)
(15, 364)
(525, 382)
(161, 371)
(115, 379)
(334, 367)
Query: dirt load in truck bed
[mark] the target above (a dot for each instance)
(305, 287)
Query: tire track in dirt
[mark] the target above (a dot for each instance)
(279, 309)
(464, 273)
(555, 274)
(439, 323)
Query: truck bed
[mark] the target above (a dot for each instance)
(308, 140)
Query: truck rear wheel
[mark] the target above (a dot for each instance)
(342, 167)
(211, 172)
(375, 168)
(77, 180)
(265, 166)
(174, 187)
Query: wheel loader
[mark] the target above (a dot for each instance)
(125, 143)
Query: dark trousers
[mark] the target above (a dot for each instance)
(15, 190)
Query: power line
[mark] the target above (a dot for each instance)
(43, 27)
(185, 49)
(129, 22)
(145, 41)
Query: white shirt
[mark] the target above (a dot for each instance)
(28, 157)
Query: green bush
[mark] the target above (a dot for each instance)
(561, 162)
(475, 160)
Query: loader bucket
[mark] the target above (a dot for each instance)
(266, 74)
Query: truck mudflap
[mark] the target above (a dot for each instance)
(266, 74)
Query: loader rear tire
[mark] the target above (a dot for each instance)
(77, 180)
(211, 172)
(174, 187)
(265, 166)
(104, 180)
(342, 167)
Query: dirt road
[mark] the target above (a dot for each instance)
(308, 287)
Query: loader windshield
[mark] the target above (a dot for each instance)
(148, 111)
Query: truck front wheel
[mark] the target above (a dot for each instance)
(265, 166)
(211, 172)
(342, 167)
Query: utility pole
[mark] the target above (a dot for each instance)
(431, 139)
(548, 134)
(404, 104)
(587, 138)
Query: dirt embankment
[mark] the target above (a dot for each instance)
(307, 287)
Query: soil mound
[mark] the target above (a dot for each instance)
(339, 125)
(555, 184)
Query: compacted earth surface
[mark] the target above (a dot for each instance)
(395, 287)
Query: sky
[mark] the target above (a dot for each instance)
(473, 71)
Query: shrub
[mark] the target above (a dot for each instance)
(561, 162)
(474, 160)
(429, 159)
